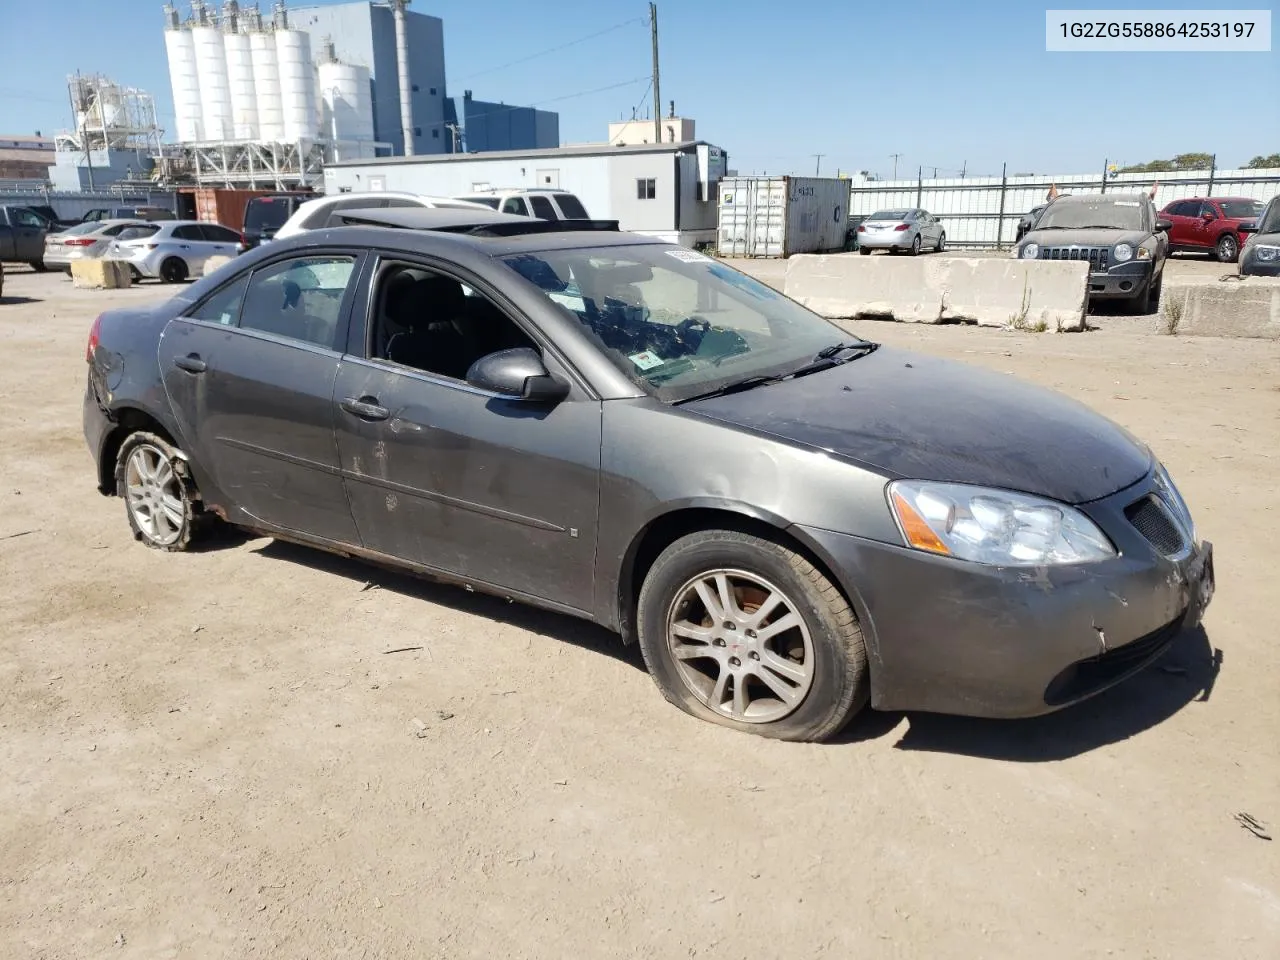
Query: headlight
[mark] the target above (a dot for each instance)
(1031, 251)
(1123, 252)
(1169, 492)
(1265, 252)
(994, 526)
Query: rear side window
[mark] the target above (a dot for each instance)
(138, 232)
(571, 207)
(224, 306)
(219, 234)
(542, 208)
(299, 299)
(188, 231)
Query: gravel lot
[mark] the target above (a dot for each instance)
(215, 754)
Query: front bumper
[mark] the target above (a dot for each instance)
(1124, 281)
(953, 637)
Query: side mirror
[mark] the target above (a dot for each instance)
(1163, 226)
(519, 374)
(1248, 226)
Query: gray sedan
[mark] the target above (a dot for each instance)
(908, 230)
(84, 241)
(790, 521)
(1260, 256)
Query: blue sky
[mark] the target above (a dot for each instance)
(944, 84)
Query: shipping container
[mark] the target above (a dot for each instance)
(780, 216)
(221, 205)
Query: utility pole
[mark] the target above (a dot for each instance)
(895, 164)
(657, 89)
(83, 126)
(818, 170)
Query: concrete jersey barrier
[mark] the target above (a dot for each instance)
(988, 291)
(1236, 307)
(101, 274)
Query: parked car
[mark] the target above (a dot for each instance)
(327, 211)
(1120, 236)
(540, 202)
(174, 250)
(1209, 225)
(907, 229)
(1028, 220)
(790, 521)
(85, 241)
(1260, 256)
(128, 213)
(265, 216)
(22, 233)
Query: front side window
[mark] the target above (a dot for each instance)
(676, 322)
(25, 218)
(299, 299)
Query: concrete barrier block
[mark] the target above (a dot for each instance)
(213, 263)
(990, 291)
(101, 274)
(1209, 307)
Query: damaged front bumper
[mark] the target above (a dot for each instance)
(949, 636)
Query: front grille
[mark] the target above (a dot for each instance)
(1086, 677)
(1098, 257)
(1151, 518)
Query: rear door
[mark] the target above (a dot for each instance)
(188, 240)
(223, 242)
(1182, 216)
(250, 372)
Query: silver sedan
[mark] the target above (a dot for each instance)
(84, 241)
(906, 229)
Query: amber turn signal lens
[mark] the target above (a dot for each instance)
(919, 534)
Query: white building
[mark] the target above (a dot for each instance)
(666, 190)
(673, 130)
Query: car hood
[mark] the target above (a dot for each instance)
(1085, 238)
(910, 415)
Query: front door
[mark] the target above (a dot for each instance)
(450, 477)
(250, 373)
(28, 235)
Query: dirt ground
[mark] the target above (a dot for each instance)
(220, 754)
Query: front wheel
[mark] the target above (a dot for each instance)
(942, 242)
(1227, 249)
(158, 492)
(747, 633)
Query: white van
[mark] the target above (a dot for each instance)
(543, 203)
(323, 211)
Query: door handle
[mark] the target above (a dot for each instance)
(366, 408)
(191, 363)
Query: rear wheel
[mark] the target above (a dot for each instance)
(747, 633)
(864, 251)
(1227, 248)
(915, 246)
(159, 495)
(173, 270)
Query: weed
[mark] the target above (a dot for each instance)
(1018, 321)
(1171, 314)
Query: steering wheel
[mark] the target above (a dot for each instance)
(689, 324)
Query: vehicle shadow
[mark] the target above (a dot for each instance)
(19, 300)
(1185, 674)
(555, 626)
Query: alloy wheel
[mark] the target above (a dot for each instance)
(741, 646)
(1227, 249)
(154, 495)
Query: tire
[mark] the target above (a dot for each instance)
(173, 270)
(823, 689)
(1227, 248)
(864, 251)
(1153, 294)
(162, 505)
(38, 266)
(915, 246)
(942, 242)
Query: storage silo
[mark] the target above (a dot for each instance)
(347, 94)
(244, 97)
(266, 86)
(215, 91)
(184, 79)
(297, 84)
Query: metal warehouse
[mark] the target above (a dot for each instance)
(665, 190)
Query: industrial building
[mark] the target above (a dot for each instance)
(665, 190)
(671, 129)
(501, 126)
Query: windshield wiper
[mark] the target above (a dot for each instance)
(825, 359)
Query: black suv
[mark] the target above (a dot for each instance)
(1120, 235)
(263, 216)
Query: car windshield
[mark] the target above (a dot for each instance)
(267, 213)
(137, 233)
(1269, 222)
(1101, 212)
(889, 215)
(678, 323)
(1241, 209)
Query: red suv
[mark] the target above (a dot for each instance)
(1210, 224)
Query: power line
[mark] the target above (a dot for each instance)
(502, 107)
(557, 49)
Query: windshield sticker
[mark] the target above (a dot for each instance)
(646, 360)
(1126, 203)
(688, 256)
